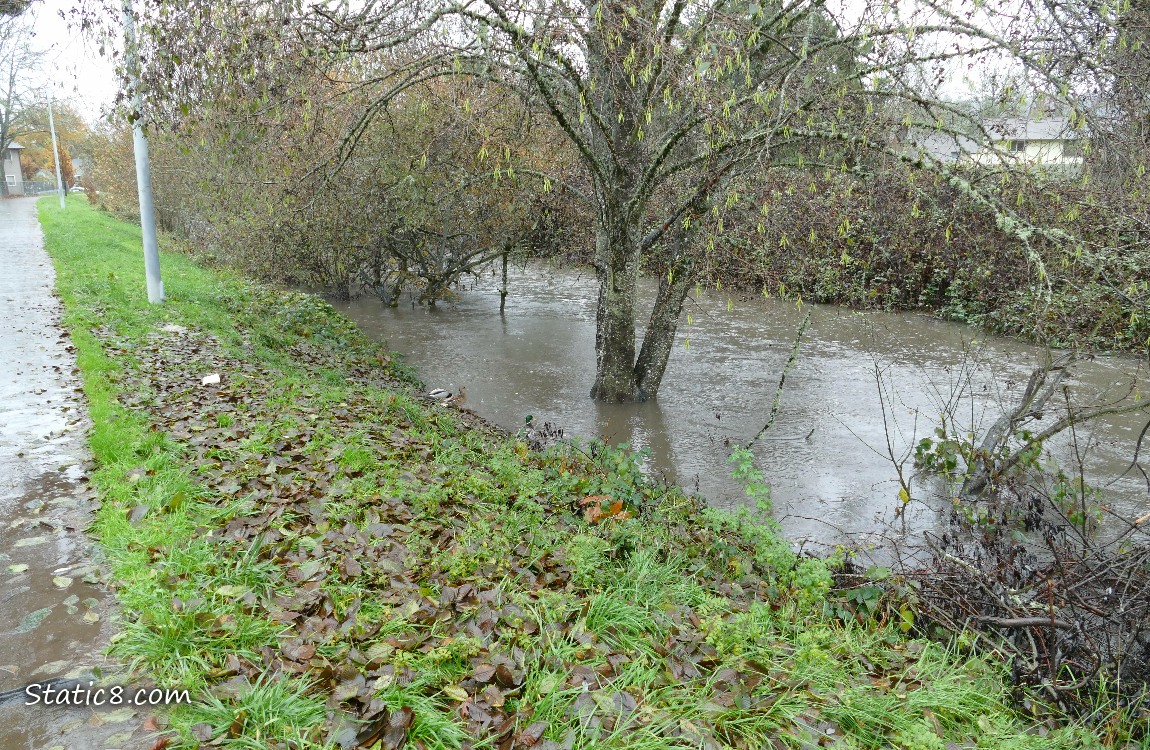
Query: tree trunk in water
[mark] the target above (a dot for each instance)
(660, 335)
(617, 256)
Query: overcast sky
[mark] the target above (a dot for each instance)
(73, 68)
(75, 71)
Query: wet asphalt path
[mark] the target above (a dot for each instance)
(54, 612)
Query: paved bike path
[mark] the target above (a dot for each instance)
(55, 614)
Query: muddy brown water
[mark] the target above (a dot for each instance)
(538, 359)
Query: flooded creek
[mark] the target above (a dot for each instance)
(826, 457)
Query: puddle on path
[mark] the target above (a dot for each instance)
(54, 613)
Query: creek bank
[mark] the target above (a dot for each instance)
(324, 558)
(893, 240)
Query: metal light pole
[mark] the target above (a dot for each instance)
(56, 151)
(143, 169)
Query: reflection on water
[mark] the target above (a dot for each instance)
(538, 359)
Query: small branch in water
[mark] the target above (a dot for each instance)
(782, 380)
(1134, 461)
(792, 437)
(503, 290)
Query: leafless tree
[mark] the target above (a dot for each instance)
(17, 63)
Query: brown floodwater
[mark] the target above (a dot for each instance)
(826, 457)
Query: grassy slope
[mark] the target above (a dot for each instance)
(318, 546)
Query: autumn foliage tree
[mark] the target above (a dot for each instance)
(35, 135)
(414, 204)
(307, 191)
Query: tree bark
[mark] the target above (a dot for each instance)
(664, 323)
(621, 157)
(617, 256)
(6, 122)
(620, 376)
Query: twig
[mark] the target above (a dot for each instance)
(783, 379)
(1134, 461)
(1023, 622)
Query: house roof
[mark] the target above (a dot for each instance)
(14, 145)
(942, 146)
(1025, 129)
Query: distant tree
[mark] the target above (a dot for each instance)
(110, 181)
(1097, 55)
(17, 63)
(32, 127)
(1125, 135)
(44, 159)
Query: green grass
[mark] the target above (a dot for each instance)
(674, 629)
(270, 710)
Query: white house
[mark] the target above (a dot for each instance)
(1045, 142)
(939, 146)
(1049, 141)
(13, 175)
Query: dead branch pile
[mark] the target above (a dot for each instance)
(1070, 611)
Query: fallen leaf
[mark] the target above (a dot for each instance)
(505, 677)
(119, 715)
(455, 692)
(32, 620)
(379, 652)
(52, 667)
(348, 689)
(202, 731)
(531, 734)
(389, 732)
(494, 696)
